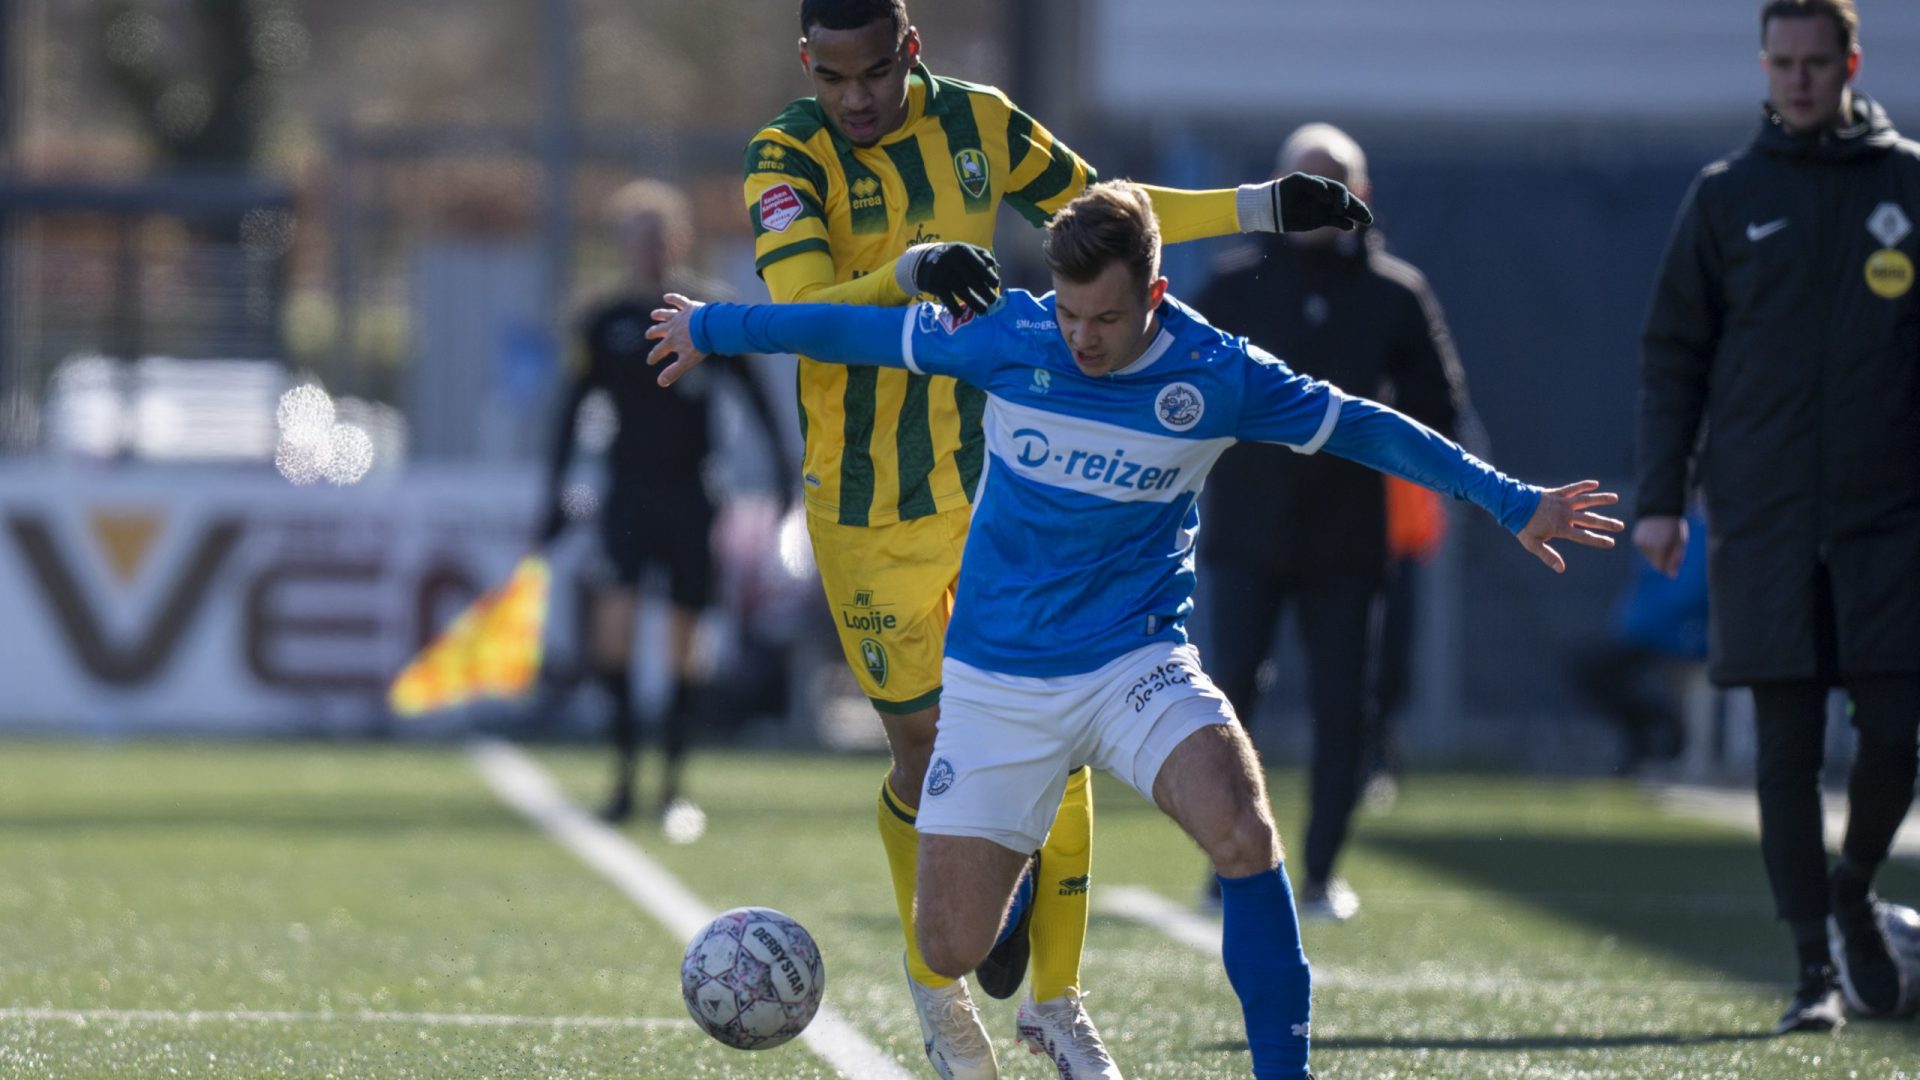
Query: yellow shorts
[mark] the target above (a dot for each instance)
(890, 588)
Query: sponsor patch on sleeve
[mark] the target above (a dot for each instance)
(933, 317)
(779, 206)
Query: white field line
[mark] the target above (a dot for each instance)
(361, 1016)
(525, 786)
(1202, 934)
(1740, 809)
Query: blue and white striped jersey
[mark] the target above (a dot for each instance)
(1083, 535)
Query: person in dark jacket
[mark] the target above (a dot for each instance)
(1786, 324)
(1305, 531)
(657, 511)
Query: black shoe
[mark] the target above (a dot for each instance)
(1868, 972)
(619, 806)
(1816, 1004)
(1001, 972)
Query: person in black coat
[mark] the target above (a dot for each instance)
(657, 511)
(1312, 531)
(1786, 325)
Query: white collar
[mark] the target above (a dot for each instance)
(1161, 344)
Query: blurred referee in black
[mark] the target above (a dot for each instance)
(657, 511)
(1786, 324)
(1312, 531)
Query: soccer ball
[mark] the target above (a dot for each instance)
(752, 978)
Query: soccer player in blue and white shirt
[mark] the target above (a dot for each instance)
(1108, 401)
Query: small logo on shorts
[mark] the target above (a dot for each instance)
(863, 598)
(1074, 886)
(874, 655)
(940, 777)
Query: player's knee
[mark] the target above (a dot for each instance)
(947, 949)
(1245, 844)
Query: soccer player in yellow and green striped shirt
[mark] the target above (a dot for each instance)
(883, 157)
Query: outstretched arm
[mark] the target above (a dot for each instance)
(689, 331)
(1296, 202)
(1393, 443)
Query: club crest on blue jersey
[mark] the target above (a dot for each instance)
(940, 777)
(1179, 406)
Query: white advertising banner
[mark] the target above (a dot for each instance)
(139, 597)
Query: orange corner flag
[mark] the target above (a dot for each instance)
(492, 650)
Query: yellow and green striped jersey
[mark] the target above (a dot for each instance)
(884, 445)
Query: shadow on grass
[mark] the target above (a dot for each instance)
(1663, 894)
(1522, 1042)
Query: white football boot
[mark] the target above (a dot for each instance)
(1064, 1032)
(950, 1026)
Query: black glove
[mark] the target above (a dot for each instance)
(1303, 202)
(962, 277)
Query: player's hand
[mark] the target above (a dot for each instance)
(1303, 202)
(1563, 515)
(673, 329)
(1662, 538)
(963, 277)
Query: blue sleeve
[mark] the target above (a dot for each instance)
(1380, 438)
(1278, 405)
(921, 338)
(937, 344)
(836, 333)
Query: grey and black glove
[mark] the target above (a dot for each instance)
(1300, 202)
(963, 277)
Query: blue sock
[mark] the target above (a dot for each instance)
(1260, 942)
(1022, 896)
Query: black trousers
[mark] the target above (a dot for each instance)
(1243, 609)
(1790, 721)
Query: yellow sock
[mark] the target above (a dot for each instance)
(903, 859)
(1059, 931)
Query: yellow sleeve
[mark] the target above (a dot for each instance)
(1043, 173)
(1193, 215)
(809, 277)
(784, 194)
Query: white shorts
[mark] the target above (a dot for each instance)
(1006, 743)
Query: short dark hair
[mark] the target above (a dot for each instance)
(1109, 222)
(851, 14)
(1846, 19)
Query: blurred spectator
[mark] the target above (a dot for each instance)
(1785, 322)
(657, 511)
(1416, 530)
(1659, 635)
(1312, 531)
